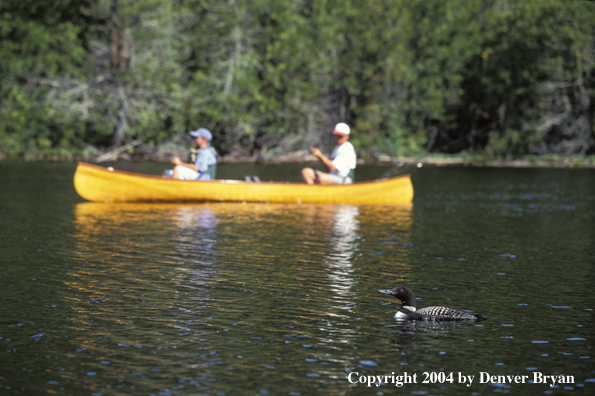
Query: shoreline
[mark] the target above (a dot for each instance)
(545, 161)
(588, 162)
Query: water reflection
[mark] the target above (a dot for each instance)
(340, 226)
(203, 284)
(196, 299)
(384, 233)
(343, 240)
(195, 236)
(143, 280)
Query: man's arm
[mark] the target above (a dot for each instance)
(322, 158)
(178, 161)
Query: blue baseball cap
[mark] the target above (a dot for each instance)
(203, 133)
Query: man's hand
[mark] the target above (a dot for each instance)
(316, 152)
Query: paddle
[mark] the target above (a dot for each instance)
(394, 170)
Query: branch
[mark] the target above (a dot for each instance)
(112, 155)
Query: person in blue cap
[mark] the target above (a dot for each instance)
(203, 159)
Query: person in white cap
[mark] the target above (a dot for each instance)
(203, 159)
(341, 164)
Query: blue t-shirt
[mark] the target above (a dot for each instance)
(205, 158)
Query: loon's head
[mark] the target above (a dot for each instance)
(404, 294)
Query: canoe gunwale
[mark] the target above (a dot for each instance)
(231, 181)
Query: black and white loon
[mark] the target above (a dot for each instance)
(409, 311)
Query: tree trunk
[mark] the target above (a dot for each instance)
(121, 119)
(119, 45)
(113, 35)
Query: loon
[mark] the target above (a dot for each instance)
(409, 311)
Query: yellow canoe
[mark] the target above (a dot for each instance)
(98, 184)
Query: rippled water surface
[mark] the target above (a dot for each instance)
(256, 299)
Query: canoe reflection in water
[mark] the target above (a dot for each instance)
(157, 269)
(126, 250)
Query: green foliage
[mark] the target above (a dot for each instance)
(497, 77)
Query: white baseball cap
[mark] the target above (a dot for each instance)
(341, 129)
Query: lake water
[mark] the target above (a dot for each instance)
(256, 299)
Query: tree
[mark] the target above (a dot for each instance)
(37, 44)
(497, 77)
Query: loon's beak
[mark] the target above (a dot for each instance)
(386, 292)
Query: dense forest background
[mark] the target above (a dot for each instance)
(501, 78)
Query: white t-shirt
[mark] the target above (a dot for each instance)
(344, 159)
